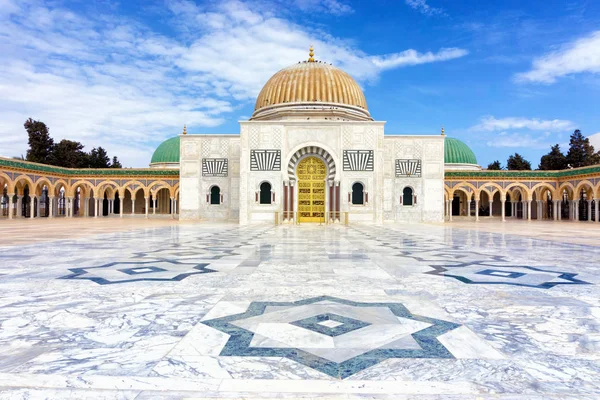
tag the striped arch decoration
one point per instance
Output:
(312, 150)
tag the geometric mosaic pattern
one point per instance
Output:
(123, 272)
(300, 331)
(462, 263)
(482, 273)
(330, 324)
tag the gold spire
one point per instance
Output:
(311, 54)
(443, 131)
(184, 130)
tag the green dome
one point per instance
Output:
(456, 152)
(167, 152)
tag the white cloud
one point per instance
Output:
(490, 123)
(107, 80)
(334, 7)
(520, 140)
(424, 8)
(582, 55)
(595, 141)
(412, 57)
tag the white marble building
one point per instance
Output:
(311, 153)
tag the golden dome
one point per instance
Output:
(311, 85)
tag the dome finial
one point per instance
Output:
(311, 54)
(443, 131)
(184, 130)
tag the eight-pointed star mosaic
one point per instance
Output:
(134, 271)
(335, 336)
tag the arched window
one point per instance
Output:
(407, 196)
(265, 193)
(215, 195)
(358, 193)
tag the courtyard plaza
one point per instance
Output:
(159, 309)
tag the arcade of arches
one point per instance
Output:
(32, 190)
(533, 195)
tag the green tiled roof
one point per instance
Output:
(566, 173)
(42, 168)
(456, 152)
(167, 152)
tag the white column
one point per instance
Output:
(95, 201)
(596, 203)
(576, 210)
(502, 205)
(19, 206)
(451, 201)
(476, 210)
(555, 209)
(132, 206)
(175, 205)
(10, 206)
(172, 208)
(528, 210)
(146, 200)
(121, 207)
(589, 210)
(154, 207)
(559, 211)
(32, 206)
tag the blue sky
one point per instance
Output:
(505, 77)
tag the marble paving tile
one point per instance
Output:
(522, 322)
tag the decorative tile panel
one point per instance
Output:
(408, 168)
(265, 160)
(358, 160)
(215, 167)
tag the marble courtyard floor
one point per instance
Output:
(161, 310)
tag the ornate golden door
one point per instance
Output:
(311, 174)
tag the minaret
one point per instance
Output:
(184, 130)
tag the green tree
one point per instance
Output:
(41, 144)
(516, 162)
(581, 152)
(98, 158)
(555, 160)
(116, 163)
(495, 166)
(70, 154)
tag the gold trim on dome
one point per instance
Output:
(311, 82)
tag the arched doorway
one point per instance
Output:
(311, 173)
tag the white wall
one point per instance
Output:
(383, 187)
(194, 187)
